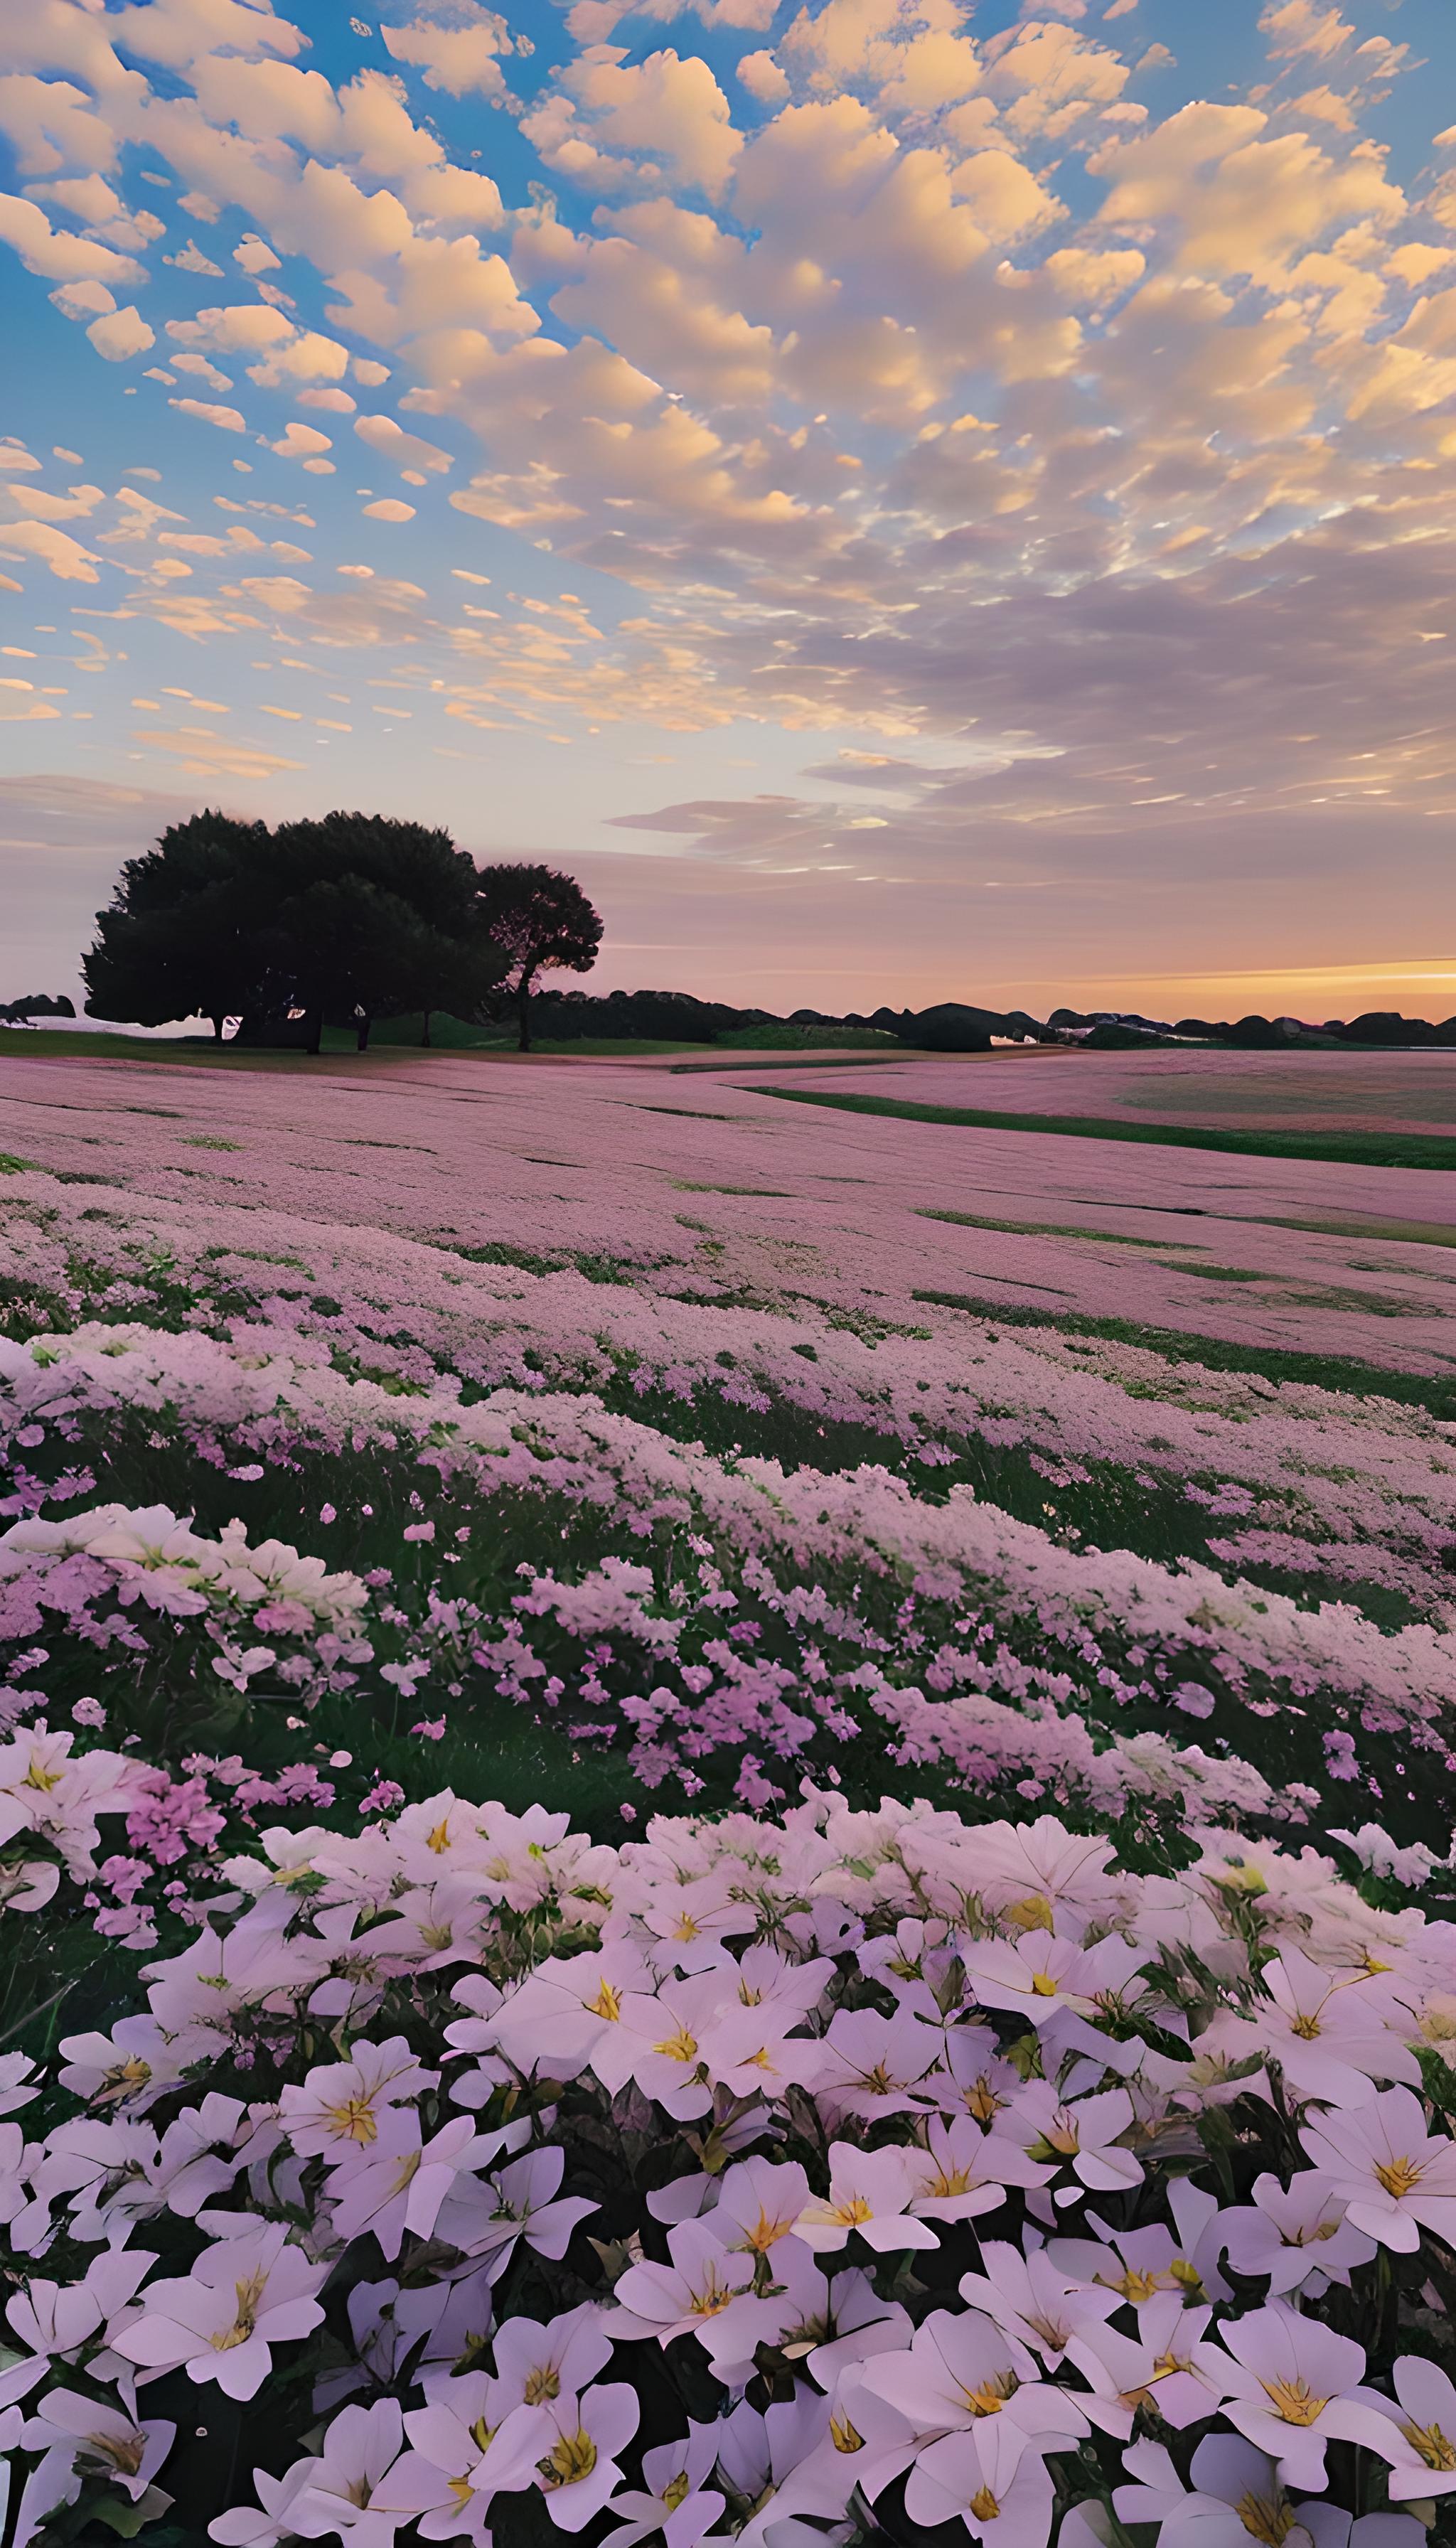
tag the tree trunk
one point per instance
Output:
(524, 995)
(314, 1024)
(425, 1038)
(217, 1024)
(362, 1034)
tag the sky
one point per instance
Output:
(907, 500)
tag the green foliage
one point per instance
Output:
(1356, 1150)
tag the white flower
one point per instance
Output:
(961, 2370)
(242, 2296)
(576, 2471)
(272, 2521)
(1419, 2438)
(344, 2495)
(869, 2192)
(118, 2447)
(540, 2363)
(1394, 2178)
(1289, 2380)
(1298, 2235)
(674, 2499)
(468, 2444)
(989, 2476)
(338, 2109)
(1237, 2496)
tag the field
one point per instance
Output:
(771, 1774)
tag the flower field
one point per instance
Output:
(719, 1820)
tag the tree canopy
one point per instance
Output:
(539, 921)
(338, 920)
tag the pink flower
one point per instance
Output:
(242, 2296)
(1394, 2178)
(1289, 2380)
(869, 2193)
(576, 2471)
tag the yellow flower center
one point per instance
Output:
(686, 1927)
(1429, 2440)
(983, 2101)
(1060, 2141)
(984, 2505)
(461, 2488)
(126, 2452)
(249, 2293)
(607, 2003)
(1400, 2177)
(950, 2181)
(1270, 2522)
(436, 1939)
(121, 2079)
(484, 2434)
(1134, 2286)
(1045, 1986)
(574, 2458)
(766, 2233)
(38, 1776)
(1293, 2402)
(1035, 1912)
(1305, 2028)
(851, 2211)
(542, 2383)
(439, 1838)
(992, 2394)
(714, 2298)
(843, 2434)
(677, 2046)
(353, 2120)
(677, 2489)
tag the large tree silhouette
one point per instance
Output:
(184, 933)
(540, 921)
(345, 919)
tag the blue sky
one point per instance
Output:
(910, 501)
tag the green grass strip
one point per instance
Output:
(1340, 1372)
(1356, 1150)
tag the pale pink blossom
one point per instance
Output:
(1394, 2178)
(868, 2194)
(243, 2295)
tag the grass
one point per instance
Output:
(1340, 1372)
(1354, 1149)
(1056, 1229)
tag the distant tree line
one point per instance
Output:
(37, 1004)
(336, 922)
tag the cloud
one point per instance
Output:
(61, 254)
(67, 559)
(1296, 27)
(302, 442)
(613, 124)
(198, 368)
(191, 261)
(405, 450)
(389, 509)
(463, 60)
(229, 419)
(120, 333)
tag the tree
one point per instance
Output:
(185, 932)
(374, 917)
(540, 921)
(38, 1004)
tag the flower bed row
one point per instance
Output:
(1324, 1477)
